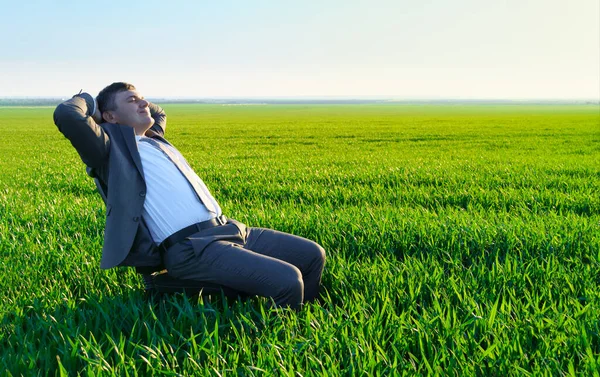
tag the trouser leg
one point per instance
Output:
(228, 264)
(257, 261)
(306, 255)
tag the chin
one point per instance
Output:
(149, 123)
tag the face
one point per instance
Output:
(131, 109)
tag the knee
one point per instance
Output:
(291, 288)
(293, 282)
(318, 255)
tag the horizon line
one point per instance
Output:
(332, 97)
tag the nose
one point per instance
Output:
(143, 103)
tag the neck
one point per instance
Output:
(141, 131)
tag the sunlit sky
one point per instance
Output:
(463, 49)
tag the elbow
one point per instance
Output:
(59, 114)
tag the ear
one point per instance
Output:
(109, 117)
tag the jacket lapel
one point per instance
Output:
(129, 137)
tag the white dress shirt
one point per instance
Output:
(171, 203)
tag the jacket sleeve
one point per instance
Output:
(160, 119)
(74, 119)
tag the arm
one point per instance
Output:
(160, 119)
(74, 119)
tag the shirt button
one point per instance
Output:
(136, 219)
(142, 194)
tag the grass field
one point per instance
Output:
(461, 240)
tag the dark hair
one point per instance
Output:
(106, 97)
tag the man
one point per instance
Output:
(159, 212)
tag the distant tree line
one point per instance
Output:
(229, 101)
(301, 101)
(30, 101)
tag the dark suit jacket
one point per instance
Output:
(111, 151)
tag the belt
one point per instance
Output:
(180, 235)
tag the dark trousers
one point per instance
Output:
(253, 261)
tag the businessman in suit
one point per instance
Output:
(160, 213)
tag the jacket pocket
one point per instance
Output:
(108, 210)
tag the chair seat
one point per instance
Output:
(163, 283)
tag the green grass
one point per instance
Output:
(461, 240)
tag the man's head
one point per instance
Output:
(121, 103)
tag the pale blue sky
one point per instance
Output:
(521, 49)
